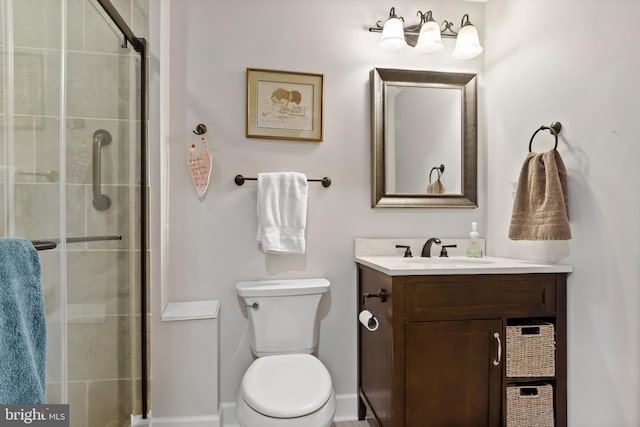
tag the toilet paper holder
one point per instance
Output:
(382, 294)
(368, 320)
(366, 317)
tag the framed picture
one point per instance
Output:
(284, 105)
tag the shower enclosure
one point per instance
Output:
(73, 172)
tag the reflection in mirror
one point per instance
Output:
(419, 126)
(423, 139)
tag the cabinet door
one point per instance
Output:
(452, 376)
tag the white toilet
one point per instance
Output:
(286, 386)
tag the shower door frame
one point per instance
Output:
(140, 46)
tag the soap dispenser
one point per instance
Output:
(474, 250)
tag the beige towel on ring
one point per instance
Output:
(435, 187)
(540, 208)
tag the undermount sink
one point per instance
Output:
(447, 261)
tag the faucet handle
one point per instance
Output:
(443, 251)
(407, 250)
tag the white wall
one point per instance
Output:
(211, 242)
(577, 62)
(540, 67)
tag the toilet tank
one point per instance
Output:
(283, 314)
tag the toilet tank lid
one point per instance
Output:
(279, 287)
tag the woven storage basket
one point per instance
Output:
(531, 350)
(530, 406)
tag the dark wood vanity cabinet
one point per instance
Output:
(463, 389)
(438, 355)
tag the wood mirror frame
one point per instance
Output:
(466, 83)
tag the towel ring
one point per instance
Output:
(440, 169)
(554, 129)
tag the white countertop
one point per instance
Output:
(416, 266)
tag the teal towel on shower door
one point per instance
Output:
(23, 329)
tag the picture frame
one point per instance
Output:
(284, 105)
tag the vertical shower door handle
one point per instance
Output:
(101, 138)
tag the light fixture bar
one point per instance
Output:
(414, 30)
(467, 43)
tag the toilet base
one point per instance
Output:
(323, 417)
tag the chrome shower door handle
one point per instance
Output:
(101, 138)
(496, 361)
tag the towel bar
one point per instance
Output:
(42, 245)
(239, 180)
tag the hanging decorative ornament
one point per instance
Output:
(200, 162)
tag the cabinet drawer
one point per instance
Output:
(444, 297)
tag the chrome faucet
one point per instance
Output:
(426, 249)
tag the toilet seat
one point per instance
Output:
(286, 386)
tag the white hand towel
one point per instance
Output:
(282, 212)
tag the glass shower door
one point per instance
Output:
(103, 206)
(70, 171)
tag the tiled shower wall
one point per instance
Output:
(102, 291)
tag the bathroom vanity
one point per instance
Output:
(438, 356)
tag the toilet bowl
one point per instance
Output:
(291, 390)
(286, 386)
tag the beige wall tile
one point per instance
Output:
(76, 199)
(101, 35)
(78, 404)
(103, 277)
(37, 210)
(140, 21)
(75, 24)
(46, 136)
(37, 23)
(98, 85)
(110, 403)
(36, 82)
(113, 221)
(54, 353)
(101, 350)
(2, 213)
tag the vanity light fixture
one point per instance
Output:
(426, 35)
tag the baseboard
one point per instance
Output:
(200, 421)
(346, 410)
(229, 417)
(138, 421)
(346, 407)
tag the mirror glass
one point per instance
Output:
(423, 139)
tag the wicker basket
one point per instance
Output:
(530, 406)
(531, 350)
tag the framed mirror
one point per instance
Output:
(424, 139)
